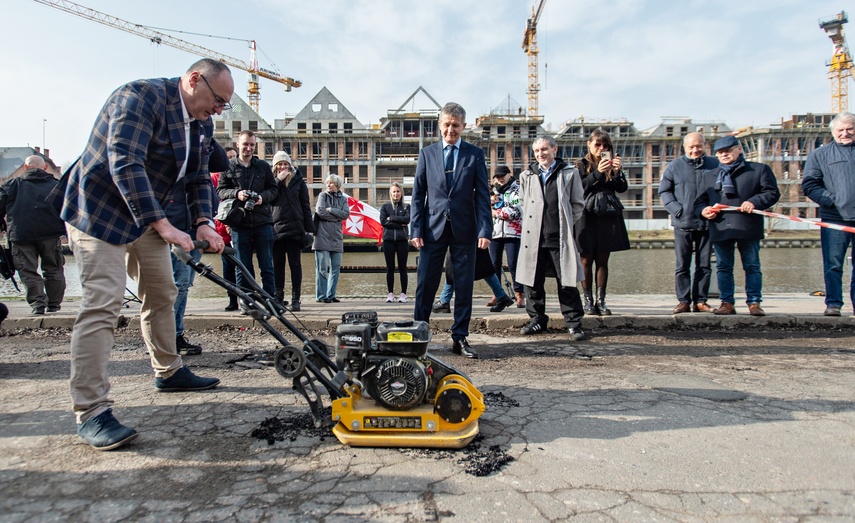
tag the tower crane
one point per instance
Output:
(157, 37)
(529, 45)
(840, 66)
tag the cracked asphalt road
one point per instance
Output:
(748, 425)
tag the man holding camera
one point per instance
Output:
(746, 186)
(251, 181)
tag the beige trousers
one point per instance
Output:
(102, 267)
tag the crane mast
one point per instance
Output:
(840, 66)
(529, 45)
(157, 37)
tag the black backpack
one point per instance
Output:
(7, 267)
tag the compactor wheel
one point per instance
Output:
(289, 361)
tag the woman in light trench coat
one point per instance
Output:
(539, 238)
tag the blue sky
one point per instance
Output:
(744, 63)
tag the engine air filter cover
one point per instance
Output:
(398, 383)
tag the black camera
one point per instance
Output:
(251, 198)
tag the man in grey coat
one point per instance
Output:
(681, 183)
(830, 182)
(552, 203)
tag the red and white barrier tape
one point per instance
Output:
(721, 207)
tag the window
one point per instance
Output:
(333, 128)
(316, 128)
(268, 149)
(363, 148)
(303, 153)
(655, 152)
(334, 147)
(220, 125)
(500, 130)
(316, 107)
(301, 127)
(317, 149)
(236, 127)
(253, 125)
(500, 153)
(333, 107)
(348, 128)
(518, 153)
(348, 149)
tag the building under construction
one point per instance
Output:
(325, 137)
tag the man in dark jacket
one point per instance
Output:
(292, 222)
(830, 182)
(247, 174)
(681, 182)
(746, 186)
(34, 229)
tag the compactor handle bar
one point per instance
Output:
(185, 257)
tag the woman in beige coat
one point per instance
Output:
(552, 202)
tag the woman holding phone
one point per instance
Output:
(601, 230)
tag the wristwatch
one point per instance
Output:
(208, 222)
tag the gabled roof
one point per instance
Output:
(241, 110)
(12, 159)
(325, 107)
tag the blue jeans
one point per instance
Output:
(260, 240)
(511, 246)
(327, 269)
(834, 247)
(183, 276)
(749, 252)
(492, 281)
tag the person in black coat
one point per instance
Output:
(395, 219)
(599, 235)
(746, 186)
(292, 223)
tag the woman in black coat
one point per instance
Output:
(292, 222)
(600, 234)
(395, 219)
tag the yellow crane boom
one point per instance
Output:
(840, 66)
(529, 45)
(157, 37)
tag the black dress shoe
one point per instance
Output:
(104, 432)
(502, 304)
(463, 348)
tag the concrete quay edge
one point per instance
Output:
(644, 312)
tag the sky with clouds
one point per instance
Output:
(741, 62)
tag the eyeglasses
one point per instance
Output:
(219, 103)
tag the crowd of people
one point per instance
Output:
(557, 218)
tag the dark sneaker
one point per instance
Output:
(534, 326)
(577, 333)
(184, 381)
(441, 307)
(38, 311)
(831, 311)
(295, 306)
(334, 300)
(185, 347)
(502, 304)
(104, 432)
(55, 308)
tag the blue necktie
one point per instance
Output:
(449, 166)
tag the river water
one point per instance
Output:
(637, 271)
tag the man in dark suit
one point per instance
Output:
(149, 135)
(450, 210)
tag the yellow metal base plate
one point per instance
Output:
(445, 439)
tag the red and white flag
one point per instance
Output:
(363, 222)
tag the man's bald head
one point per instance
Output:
(693, 145)
(35, 162)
